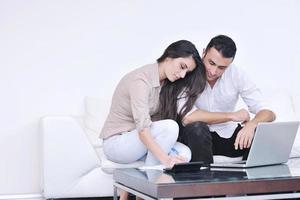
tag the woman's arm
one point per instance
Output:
(163, 157)
(139, 98)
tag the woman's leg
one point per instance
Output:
(128, 148)
(181, 150)
(165, 133)
(123, 195)
(124, 148)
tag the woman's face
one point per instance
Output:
(177, 68)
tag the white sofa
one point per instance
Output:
(74, 164)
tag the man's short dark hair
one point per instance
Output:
(223, 44)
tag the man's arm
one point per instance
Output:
(216, 117)
(195, 114)
(246, 134)
(253, 98)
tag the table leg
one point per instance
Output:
(115, 192)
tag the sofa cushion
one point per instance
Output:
(296, 147)
(226, 159)
(67, 154)
(281, 103)
(296, 103)
(93, 138)
(96, 111)
(95, 183)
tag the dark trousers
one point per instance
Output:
(204, 143)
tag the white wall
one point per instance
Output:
(53, 53)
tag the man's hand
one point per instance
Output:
(241, 115)
(245, 136)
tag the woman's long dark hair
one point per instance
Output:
(191, 86)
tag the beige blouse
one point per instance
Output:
(134, 101)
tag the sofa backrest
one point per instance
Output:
(285, 105)
(281, 102)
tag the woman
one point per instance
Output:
(141, 122)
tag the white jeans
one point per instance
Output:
(127, 147)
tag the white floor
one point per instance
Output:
(22, 197)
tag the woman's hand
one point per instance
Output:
(172, 160)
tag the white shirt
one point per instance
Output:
(224, 96)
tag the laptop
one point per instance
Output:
(269, 171)
(272, 144)
(272, 171)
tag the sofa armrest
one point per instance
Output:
(67, 154)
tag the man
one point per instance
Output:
(212, 128)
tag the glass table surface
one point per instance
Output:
(289, 170)
(211, 181)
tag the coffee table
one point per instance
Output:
(271, 182)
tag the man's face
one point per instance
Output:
(215, 64)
